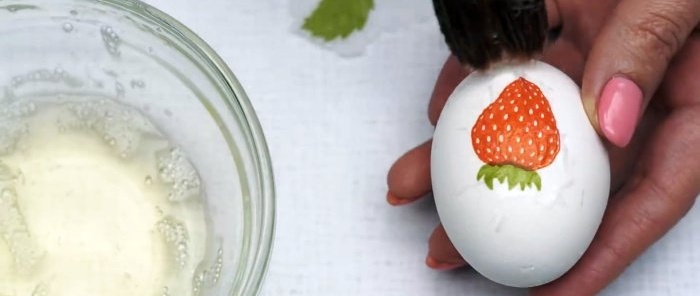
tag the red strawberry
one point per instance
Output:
(516, 135)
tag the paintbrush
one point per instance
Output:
(481, 33)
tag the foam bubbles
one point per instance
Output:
(175, 235)
(119, 126)
(176, 170)
(198, 281)
(206, 276)
(29, 127)
(57, 75)
(218, 265)
(111, 40)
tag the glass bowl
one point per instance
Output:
(133, 53)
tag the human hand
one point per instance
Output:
(651, 119)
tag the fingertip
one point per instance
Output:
(636, 43)
(442, 254)
(441, 266)
(409, 176)
(399, 201)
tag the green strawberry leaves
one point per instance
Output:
(334, 19)
(515, 176)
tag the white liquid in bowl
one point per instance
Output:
(94, 200)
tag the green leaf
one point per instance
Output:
(482, 172)
(514, 175)
(501, 174)
(338, 18)
(489, 182)
(538, 182)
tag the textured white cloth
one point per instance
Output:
(335, 123)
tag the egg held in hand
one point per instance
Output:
(520, 177)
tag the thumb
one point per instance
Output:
(628, 61)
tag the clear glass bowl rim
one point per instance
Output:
(259, 255)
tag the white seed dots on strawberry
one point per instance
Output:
(517, 131)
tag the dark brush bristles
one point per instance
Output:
(482, 32)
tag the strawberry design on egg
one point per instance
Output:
(515, 136)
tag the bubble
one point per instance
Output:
(126, 126)
(59, 72)
(198, 280)
(176, 237)
(67, 27)
(138, 84)
(218, 265)
(74, 12)
(111, 40)
(177, 171)
(148, 180)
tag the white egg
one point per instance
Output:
(520, 177)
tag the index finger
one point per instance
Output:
(451, 75)
(629, 59)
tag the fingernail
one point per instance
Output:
(434, 264)
(396, 201)
(619, 110)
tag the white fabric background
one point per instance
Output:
(335, 123)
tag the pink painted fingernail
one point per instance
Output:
(619, 110)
